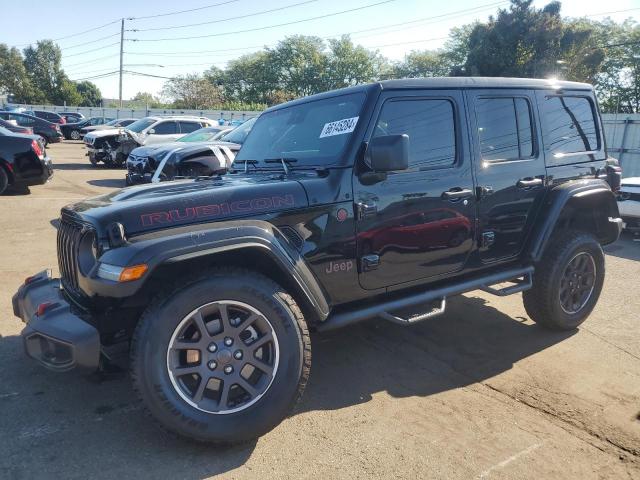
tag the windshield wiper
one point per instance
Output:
(246, 163)
(285, 161)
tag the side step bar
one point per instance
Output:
(382, 309)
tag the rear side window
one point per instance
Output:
(188, 127)
(430, 126)
(504, 128)
(165, 128)
(570, 125)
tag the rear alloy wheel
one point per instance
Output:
(75, 135)
(567, 281)
(222, 358)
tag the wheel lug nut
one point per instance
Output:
(212, 364)
(212, 347)
(238, 354)
(228, 341)
(228, 369)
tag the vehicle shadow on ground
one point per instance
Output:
(471, 343)
(73, 166)
(626, 247)
(55, 413)
(108, 182)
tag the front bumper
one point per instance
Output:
(56, 337)
(630, 213)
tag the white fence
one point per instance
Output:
(622, 132)
(226, 115)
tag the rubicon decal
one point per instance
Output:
(218, 210)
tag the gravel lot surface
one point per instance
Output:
(480, 392)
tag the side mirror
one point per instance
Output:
(152, 131)
(388, 153)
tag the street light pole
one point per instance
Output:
(121, 57)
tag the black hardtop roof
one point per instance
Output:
(446, 83)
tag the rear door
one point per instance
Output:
(509, 168)
(418, 224)
(188, 127)
(164, 132)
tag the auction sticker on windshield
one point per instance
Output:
(339, 127)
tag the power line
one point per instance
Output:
(268, 26)
(74, 34)
(92, 41)
(183, 11)
(436, 17)
(91, 61)
(286, 7)
(92, 50)
(609, 13)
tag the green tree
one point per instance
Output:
(90, 95)
(300, 65)
(252, 79)
(13, 75)
(192, 91)
(426, 63)
(42, 63)
(348, 64)
(524, 41)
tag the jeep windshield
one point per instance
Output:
(313, 133)
(140, 125)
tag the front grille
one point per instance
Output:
(70, 233)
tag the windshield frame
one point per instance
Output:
(314, 161)
(146, 121)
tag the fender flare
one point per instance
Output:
(587, 193)
(192, 241)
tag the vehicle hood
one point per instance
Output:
(93, 128)
(109, 132)
(158, 150)
(149, 207)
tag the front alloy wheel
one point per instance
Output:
(577, 282)
(223, 357)
(75, 135)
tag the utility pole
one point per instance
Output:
(121, 56)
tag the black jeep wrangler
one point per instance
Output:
(340, 207)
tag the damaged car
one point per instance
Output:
(113, 146)
(201, 153)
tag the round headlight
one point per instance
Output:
(88, 252)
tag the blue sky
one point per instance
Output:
(422, 25)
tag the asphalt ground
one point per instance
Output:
(480, 392)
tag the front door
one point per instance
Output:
(417, 223)
(509, 167)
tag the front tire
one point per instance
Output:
(567, 282)
(4, 180)
(75, 135)
(222, 358)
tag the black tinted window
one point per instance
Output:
(23, 120)
(570, 125)
(165, 128)
(504, 128)
(430, 126)
(188, 127)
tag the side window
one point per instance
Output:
(570, 125)
(188, 127)
(165, 128)
(504, 128)
(430, 125)
(23, 121)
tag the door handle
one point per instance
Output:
(529, 182)
(456, 194)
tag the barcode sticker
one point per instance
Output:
(339, 127)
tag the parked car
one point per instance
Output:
(629, 203)
(113, 146)
(48, 116)
(23, 160)
(120, 122)
(50, 132)
(73, 131)
(72, 117)
(215, 283)
(197, 154)
(15, 128)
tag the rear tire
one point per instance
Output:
(169, 338)
(75, 135)
(4, 180)
(567, 282)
